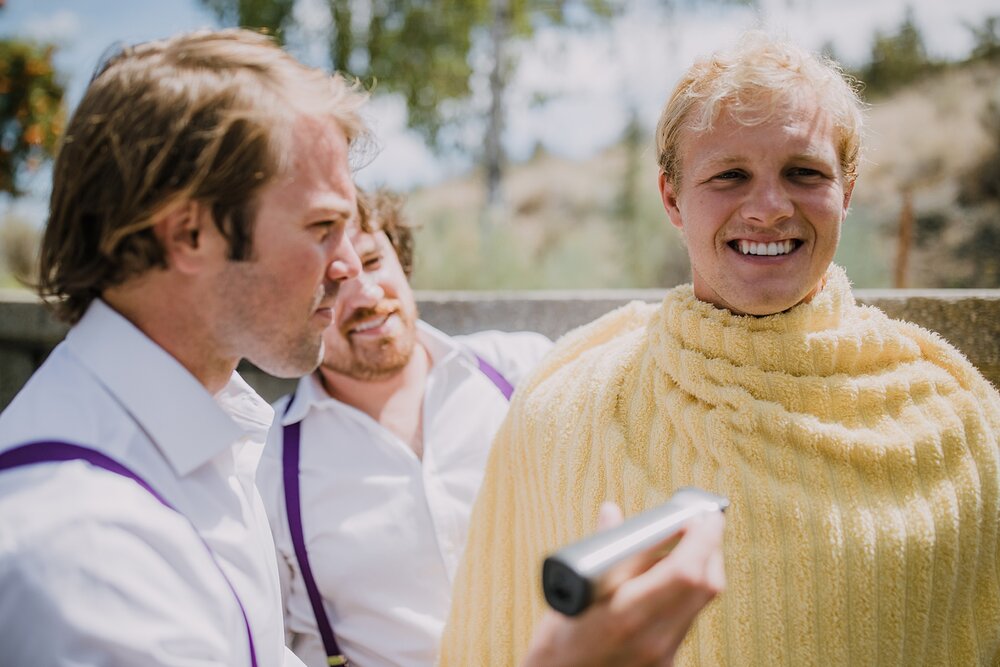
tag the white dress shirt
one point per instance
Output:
(93, 569)
(384, 529)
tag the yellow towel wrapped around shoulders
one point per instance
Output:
(860, 454)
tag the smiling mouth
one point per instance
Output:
(770, 249)
(370, 324)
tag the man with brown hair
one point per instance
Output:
(372, 467)
(389, 438)
(199, 212)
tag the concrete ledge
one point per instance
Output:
(970, 319)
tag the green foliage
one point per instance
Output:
(18, 251)
(31, 110)
(273, 16)
(418, 48)
(986, 39)
(979, 202)
(896, 60)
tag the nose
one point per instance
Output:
(767, 203)
(345, 263)
(361, 291)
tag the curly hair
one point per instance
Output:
(382, 210)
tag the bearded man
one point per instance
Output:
(395, 427)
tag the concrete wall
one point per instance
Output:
(970, 319)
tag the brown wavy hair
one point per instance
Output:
(382, 210)
(203, 116)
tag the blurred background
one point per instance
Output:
(520, 131)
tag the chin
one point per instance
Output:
(771, 306)
(292, 363)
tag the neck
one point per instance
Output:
(172, 322)
(395, 402)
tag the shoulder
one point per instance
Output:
(588, 357)
(62, 401)
(934, 349)
(609, 337)
(514, 354)
(77, 539)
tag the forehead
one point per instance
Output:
(368, 241)
(316, 174)
(797, 129)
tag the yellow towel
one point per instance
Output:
(860, 454)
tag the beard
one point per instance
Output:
(372, 358)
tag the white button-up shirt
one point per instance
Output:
(93, 569)
(385, 530)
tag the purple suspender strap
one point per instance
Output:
(293, 509)
(291, 442)
(505, 387)
(54, 452)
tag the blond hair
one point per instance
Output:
(203, 116)
(753, 82)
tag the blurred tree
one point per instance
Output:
(272, 15)
(897, 59)
(986, 38)
(430, 51)
(422, 50)
(979, 201)
(19, 240)
(32, 113)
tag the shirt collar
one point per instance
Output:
(310, 392)
(181, 418)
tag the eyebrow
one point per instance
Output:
(735, 160)
(320, 212)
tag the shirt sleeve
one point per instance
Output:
(162, 600)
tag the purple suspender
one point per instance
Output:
(52, 451)
(293, 509)
(291, 438)
(506, 388)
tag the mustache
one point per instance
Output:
(383, 308)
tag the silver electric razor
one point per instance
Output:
(584, 571)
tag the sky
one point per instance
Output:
(592, 82)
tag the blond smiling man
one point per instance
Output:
(860, 453)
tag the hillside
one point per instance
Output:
(564, 226)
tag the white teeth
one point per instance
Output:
(370, 324)
(772, 248)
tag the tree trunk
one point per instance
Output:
(905, 237)
(493, 156)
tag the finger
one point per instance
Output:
(701, 539)
(609, 515)
(688, 577)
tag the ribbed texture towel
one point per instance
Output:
(860, 454)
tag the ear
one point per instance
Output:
(848, 190)
(189, 237)
(669, 196)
